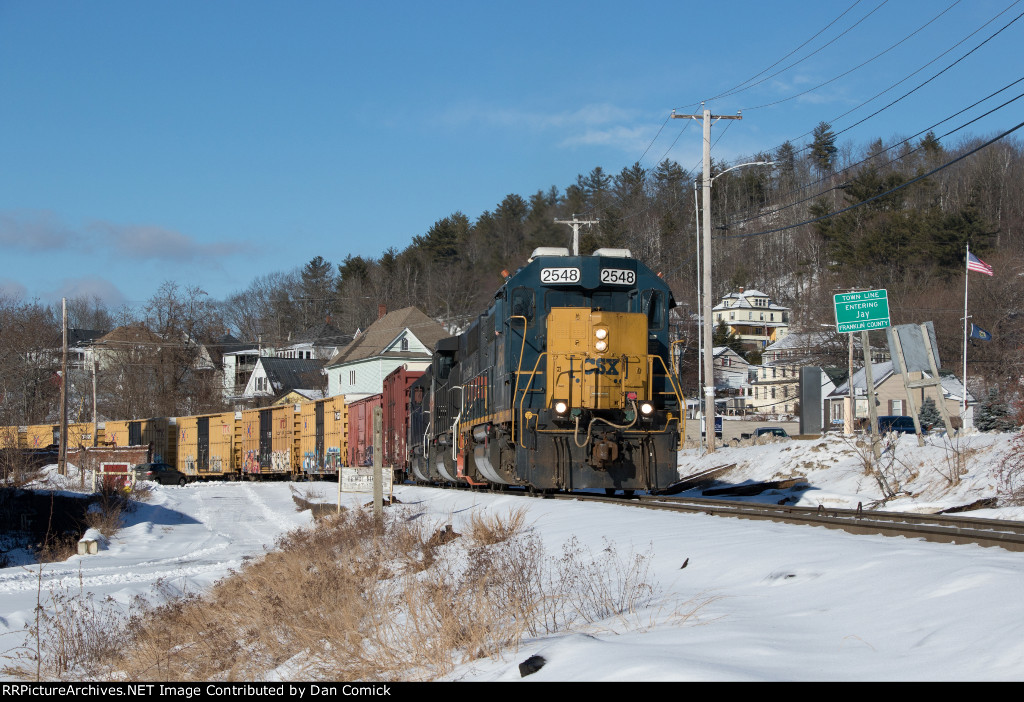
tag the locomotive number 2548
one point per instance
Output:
(560, 275)
(618, 276)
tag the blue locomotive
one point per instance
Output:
(564, 383)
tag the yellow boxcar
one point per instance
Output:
(270, 441)
(42, 435)
(12, 437)
(323, 436)
(80, 434)
(206, 444)
(157, 433)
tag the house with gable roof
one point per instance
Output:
(752, 317)
(403, 337)
(891, 395)
(275, 377)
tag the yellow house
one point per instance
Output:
(752, 317)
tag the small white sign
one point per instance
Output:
(361, 479)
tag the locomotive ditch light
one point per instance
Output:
(646, 408)
(561, 406)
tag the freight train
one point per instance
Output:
(565, 382)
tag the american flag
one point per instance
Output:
(976, 264)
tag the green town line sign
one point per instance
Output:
(861, 311)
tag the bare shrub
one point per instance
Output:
(485, 530)
(1010, 478)
(888, 471)
(17, 469)
(958, 452)
(71, 630)
(57, 547)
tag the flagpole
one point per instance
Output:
(963, 408)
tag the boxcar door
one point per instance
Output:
(203, 444)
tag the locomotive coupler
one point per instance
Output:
(604, 451)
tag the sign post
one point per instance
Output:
(860, 312)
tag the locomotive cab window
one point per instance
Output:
(523, 303)
(653, 305)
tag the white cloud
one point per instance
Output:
(34, 230)
(157, 243)
(89, 287)
(12, 288)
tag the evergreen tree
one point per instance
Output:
(317, 291)
(823, 149)
(929, 416)
(994, 415)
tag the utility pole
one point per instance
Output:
(709, 356)
(62, 449)
(575, 224)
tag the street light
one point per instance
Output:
(709, 356)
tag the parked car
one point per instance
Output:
(160, 472)
(766, 431)
(901, 424)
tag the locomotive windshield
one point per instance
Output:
(605, 300)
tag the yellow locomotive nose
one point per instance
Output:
(596, 358)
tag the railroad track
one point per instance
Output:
(930, 527)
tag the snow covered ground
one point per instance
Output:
(755, 601)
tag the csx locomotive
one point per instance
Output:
(564, 383)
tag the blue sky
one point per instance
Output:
(212, 142)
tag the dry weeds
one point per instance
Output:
(356, 599)
(485, 530)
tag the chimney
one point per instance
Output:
(381, 310)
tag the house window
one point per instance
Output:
(405, 343)
(352, 377)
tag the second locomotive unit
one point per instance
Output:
(564, 383)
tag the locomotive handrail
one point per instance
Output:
(676, 390)
(533, 374)
(515, 389)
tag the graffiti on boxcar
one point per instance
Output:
(280, 461)
(250, 462)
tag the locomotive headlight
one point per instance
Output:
(601, 345)
(561, 406)
(646, 408)
(601, 333)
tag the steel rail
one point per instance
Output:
(930, 527)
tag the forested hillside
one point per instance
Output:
(792, 229)
(772, 231)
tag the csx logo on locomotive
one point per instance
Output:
(601, 366)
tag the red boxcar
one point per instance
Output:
(396, 416)
(360, 430)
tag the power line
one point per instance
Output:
(858, 66)
(880, 195)
(776, 210)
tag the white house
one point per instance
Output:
(403, 337)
